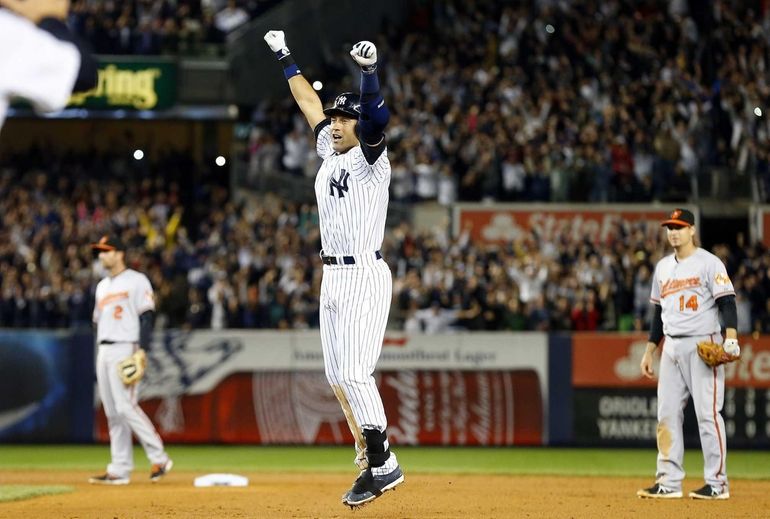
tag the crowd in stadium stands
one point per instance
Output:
(170, 27)
(221, 264)
(580, 101)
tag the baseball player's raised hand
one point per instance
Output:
(365, 54)
(276, 40)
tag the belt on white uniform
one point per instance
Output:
(344, 260)
(108, 342)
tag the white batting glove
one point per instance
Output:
(365, 54)
(276, 40)
(731, 346)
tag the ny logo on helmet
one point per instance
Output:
(340, 101)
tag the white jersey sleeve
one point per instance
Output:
(143, 296)
(35, 65)
(718, 281)
(323, 139)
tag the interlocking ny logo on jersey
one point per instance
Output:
(341, 184)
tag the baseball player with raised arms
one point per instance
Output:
(690, 288)
(124, 314)
(352, 193)
(41, 60)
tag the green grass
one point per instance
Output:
(17, 492)
(515, 461)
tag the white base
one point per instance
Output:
(221, 480)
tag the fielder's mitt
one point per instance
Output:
(714, 354)
(131, 369)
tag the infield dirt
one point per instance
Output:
(421, 496)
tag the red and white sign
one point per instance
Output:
(423, 407)
(242, 386)
(612, 360)
(508, 222)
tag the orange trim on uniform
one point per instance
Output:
(111, 298)
(716, 424)
(673, 286)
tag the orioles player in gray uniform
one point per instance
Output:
(40, 60)
(352, 194)
(123, 314)
(690, 287)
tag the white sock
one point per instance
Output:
(390, 466)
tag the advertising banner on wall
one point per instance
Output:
(270, 388)
(508, 222)
(616, 405)
(148, 84)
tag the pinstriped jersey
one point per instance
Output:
(120, 300)
(39, 67)
(352, 197)
(687, 291)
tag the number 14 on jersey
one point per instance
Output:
(691, 303)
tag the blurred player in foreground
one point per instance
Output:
(40, 59)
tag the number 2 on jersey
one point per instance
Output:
(117, 314)
(691, 303)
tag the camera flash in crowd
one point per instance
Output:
(220, 161)
(317, 85)
(138, 154)
(757, 111)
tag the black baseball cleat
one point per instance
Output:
(160, 469)
(108, 479)
(658, 491)
(369, 487)
(709, 492)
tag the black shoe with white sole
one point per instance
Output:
(709, 492)
(369, 487)
(658, 491)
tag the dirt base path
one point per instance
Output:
(421, 496)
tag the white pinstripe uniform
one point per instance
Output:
(687, 291)
(120, 300)
(352, 198)
(38, 67)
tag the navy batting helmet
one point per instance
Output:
(345, 104)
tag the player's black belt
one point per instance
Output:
(346, 260)
(106, 341)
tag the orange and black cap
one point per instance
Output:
(108, 243)
(679, 218)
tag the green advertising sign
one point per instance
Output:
(137, 85)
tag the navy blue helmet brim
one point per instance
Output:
(328, 112)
